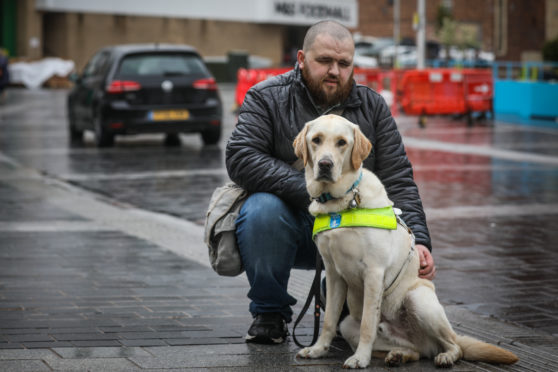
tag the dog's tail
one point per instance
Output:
(475, 350)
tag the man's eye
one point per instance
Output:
(341, 142)
(316, 140)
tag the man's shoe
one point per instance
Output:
(268, 328)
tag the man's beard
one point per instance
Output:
(321, 97)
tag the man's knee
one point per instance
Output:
(264, 210)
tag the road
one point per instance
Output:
(489, 193)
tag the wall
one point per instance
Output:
(376, 18)
(526, 24)
(526, 29)
(551, 19)
(29, 27)
(478, 13)
(77, 36)
(526, 99)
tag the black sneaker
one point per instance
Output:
(268, 328)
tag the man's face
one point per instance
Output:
(327, 69)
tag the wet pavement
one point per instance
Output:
(102, 266)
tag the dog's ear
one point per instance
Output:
(361, 148)
(300, 146)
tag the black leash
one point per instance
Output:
(314, 292)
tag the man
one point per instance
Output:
(274, 228)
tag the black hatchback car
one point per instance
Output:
(145, 88)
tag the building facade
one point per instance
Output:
(514, 30)
(75, 29)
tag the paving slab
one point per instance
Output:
(23, 366)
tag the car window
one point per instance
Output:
(97, 64)
(90, 67)
(103, 63)
(161, 65)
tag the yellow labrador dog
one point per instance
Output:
(376, 270)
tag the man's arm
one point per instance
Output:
(394, 170)
(250, 160)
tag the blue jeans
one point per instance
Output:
(273, 237)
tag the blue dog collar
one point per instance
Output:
(325, 197)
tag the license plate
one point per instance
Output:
(162, 115)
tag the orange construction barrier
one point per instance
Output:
(446, 91)
(479, 90)
(371, 77)
(389, 79)
(246, 78)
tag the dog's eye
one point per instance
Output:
(341, 142)
(316, 140)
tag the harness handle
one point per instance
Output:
(314, 292)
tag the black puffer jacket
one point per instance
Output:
(260, 152)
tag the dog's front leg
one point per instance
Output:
(335, 298)
(373, 289)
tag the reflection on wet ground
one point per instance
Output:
(182, 196)
(448, 179)
(504, 266)
(533, 139)
(500, 265)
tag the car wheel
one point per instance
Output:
(75, 134)
(172, 140)
(103, 138)
(211, 137)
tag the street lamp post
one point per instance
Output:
(421, 37)
(396, 32)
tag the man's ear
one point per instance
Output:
(300, 58)
(300, 146)
(361, 148)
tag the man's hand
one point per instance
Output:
(427, 269)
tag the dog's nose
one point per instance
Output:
(325, 164)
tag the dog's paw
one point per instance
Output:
(443, 360)
(312, 352)
(356, 362)
(394, 358)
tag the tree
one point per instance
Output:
(443, 13)
(447, 34)
(550, 50)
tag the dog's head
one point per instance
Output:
(331, 146)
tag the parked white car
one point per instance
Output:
(364, 61)
(407, 55)
(466, 55)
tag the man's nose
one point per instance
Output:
(334, 69)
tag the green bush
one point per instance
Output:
(550, 50)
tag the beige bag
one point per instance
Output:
(220, 229)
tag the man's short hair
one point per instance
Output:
(332, 28)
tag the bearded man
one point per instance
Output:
(274, 228)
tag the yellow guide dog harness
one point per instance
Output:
(382, 218)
